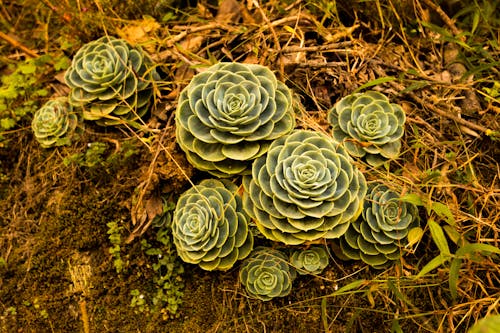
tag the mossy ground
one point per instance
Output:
(56, 272)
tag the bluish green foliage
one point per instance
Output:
(378, 236)
(305, 188)
(310, 261)
(266, 274)
(54, 123)
(369, 126)
(229, 114)
(111, 81)
(210, 227)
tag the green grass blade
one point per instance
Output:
(439, 238)
(348, 287)
(375, 82)
(453, 277)
(443, 211)
(433, 264)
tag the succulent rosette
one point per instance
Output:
(229, 114)
(305, 188)
(369, 126)
(379, 234)
(488, 324)
(309, 261)
(54, 123)
(210, 227)
(266, 274)
(111, 81)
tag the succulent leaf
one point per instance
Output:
(210, 227)
(54, 123)
(110, 80)
(368, 126)
(378, 235)
(266, 274)
(303, 189)
(229, 114)
(310, 261)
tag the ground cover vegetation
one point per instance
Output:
(249, 166)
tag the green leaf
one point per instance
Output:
(416, 86)
(28, 68)
(348, 287)
(475, 21)
(452, 233)
(474, 247)
(62, 63)
(453, 277)
(443, 211)
(412, 198)
(433, 264)
(414, 236)
(375, 82)
(7, 123)
(439, 238)
(392, 287)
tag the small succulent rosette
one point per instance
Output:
(266, 274)
(305, 188)
(369, 126)
(378, 236)
(209, 226)
(229, 114)
(310, 261)
(54, 123)
(111, 81)
(488, 324)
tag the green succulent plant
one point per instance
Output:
(369, 126)
(229, 114)
(309, 261)
(305, 188)
(488, 324)
(379, 234)
(54, 123)
(266, 274)
(111, 81)
(210, 227)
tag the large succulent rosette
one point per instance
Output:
(369, 126)
(54, 123)
(266, 274)
(379, 234)
(111, 81)
(229, 114)
(305, 188)
(210, 227)
(309, 261)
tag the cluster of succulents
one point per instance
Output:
(54, 123)
(378, 236)
(111, 81)
(229, 114)
(305, 188)
(236, 119)
(368, 126)
(310, 261)
(210, 227)
(266, 274)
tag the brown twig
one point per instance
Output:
(334, 47)
(18, 45)
(447, 20)
(85, 316)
